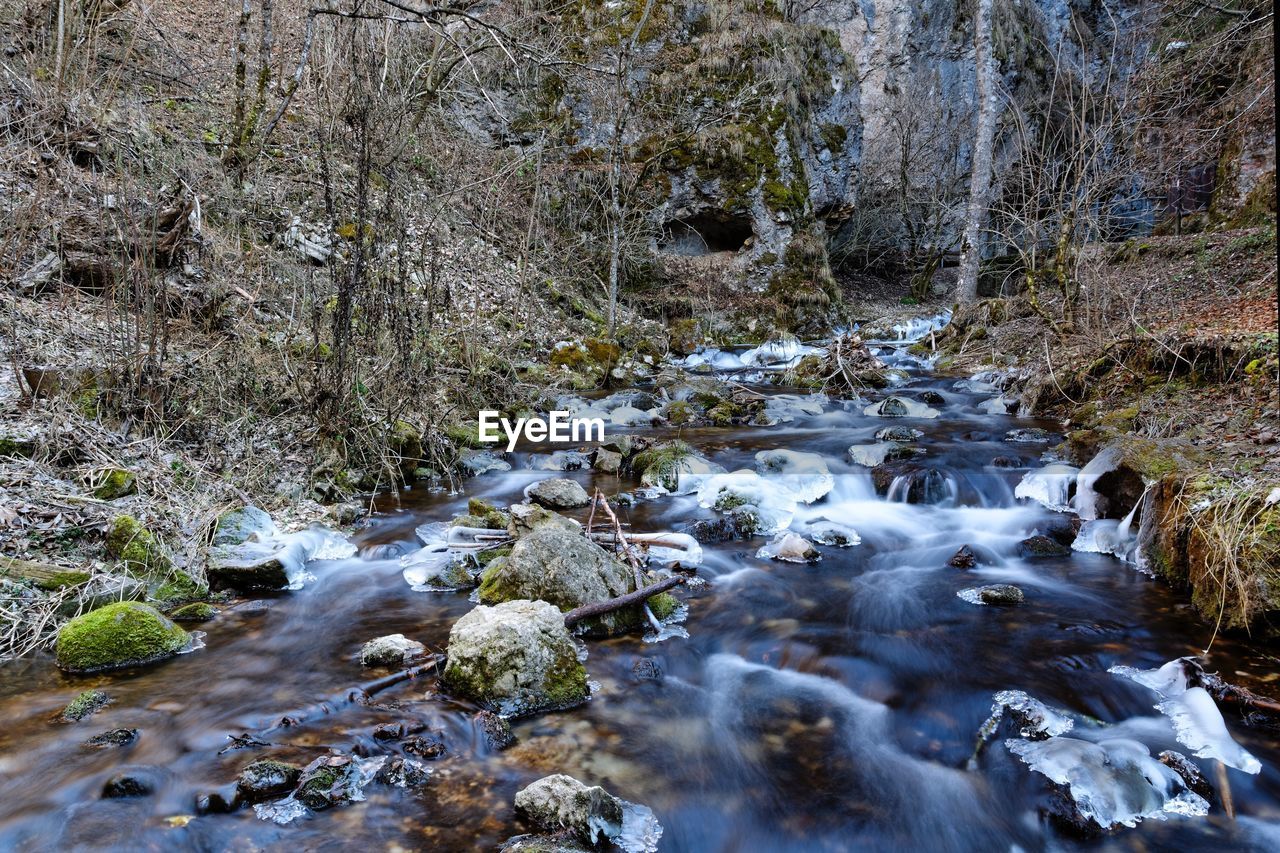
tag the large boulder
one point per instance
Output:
(566, 569)
(515, 658)
(121, 634)
(558, 493)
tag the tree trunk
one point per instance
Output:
(983, 145)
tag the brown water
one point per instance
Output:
(813, 707)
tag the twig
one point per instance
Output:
(598, 608)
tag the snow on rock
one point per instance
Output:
(1049, 486)
(997, 405)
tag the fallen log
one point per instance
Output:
(598, 608)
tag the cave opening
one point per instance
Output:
(705, 233)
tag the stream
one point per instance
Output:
(830, 705)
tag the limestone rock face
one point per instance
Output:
(516, 658)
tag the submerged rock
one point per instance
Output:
(122, 634)
(558, 493)
(963, 558)
(516, 658)
(141, 782)
(391, 650)
(112, 738)
(1040, 547)
(898, 433)
(86, 704)
(477, 462)
(566, 569)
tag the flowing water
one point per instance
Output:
(824, 706)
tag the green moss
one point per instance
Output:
(18, 448)
(61, 580)
(723, 414)
(119, 634)
(679, 413)
(465, 434)
(663, 604)
(87, 703)
(833, 136)
(200, 611)
(179, 588)
(315, 792)
(485, 558)
(136, 547)
(116, 483)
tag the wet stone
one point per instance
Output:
(217, 802)
(898, 433)
(933, 398)
(430, 746)
(494, 730)
(646, 669)
(113, 738)
(86, 704)
(1006, 462)
(1041, 547)
(266, 778)
(1191, 775)
(963, 558)
(1000, 593)
(139, 783)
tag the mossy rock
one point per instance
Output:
(679, 413)
(200, 611)
(86, 704)
(516, 658)
(136, 547)
(179, 588)
(724, 414)
(663, 604)
(115, 483)
(238, 525)
(123, 634)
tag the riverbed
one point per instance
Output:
(828, 705)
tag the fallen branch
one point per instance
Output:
(640, 596)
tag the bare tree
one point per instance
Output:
(983, 154)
